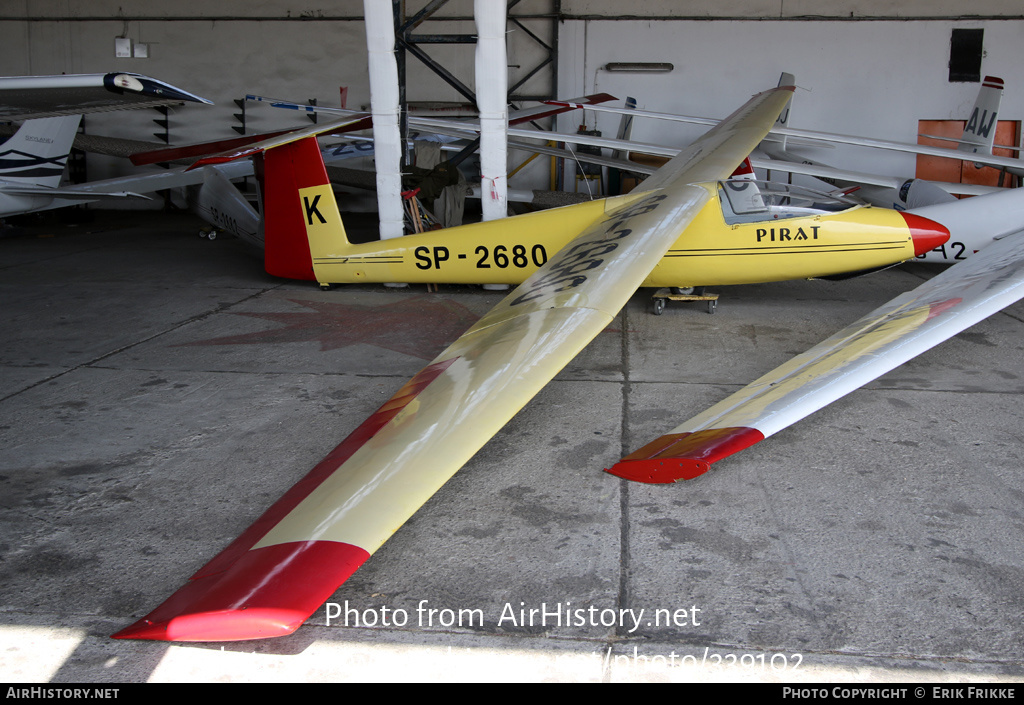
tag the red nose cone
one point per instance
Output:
(927, 234)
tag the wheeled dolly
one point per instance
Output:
(676, 294)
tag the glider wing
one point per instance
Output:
(26, 97)
(910, 324)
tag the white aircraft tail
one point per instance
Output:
(217, 201)
(37, 153)
(625, 125)
(786, 79)
(980, 131)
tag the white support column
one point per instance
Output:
(387, 140)
(492, 102)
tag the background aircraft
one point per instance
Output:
(209, 190)
(974, 142)
(32, 161)
(970, 148)
(32, 165)
(904, 192)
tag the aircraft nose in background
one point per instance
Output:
(927, 234)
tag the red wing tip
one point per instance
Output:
(226, 625)
(586, 100)
(684, 456)
(659, 472)
(143, 629)
(257, 594)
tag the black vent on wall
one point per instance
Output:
(965, 49)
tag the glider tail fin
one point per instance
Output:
(625, 125)
(300, 214)
(980, 133)
(785, 79)
(37, 152)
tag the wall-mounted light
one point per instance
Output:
(638, 67)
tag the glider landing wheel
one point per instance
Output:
(659, 307)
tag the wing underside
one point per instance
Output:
(27, 97)
(910, 324)
(295, 556)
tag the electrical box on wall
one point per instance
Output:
(122, 47)
(966, 48)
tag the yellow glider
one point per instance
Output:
(578, 267)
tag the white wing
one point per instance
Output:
(825, 137)
(25, 97)
(884, 339)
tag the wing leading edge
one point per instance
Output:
(910, 324)
(274, 576)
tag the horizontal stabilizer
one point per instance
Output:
(360, 121)
(70, 193)
(280, 139)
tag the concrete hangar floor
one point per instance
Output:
(159, 391)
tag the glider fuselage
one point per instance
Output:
(712, 252)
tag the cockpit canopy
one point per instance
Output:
(748, 201)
